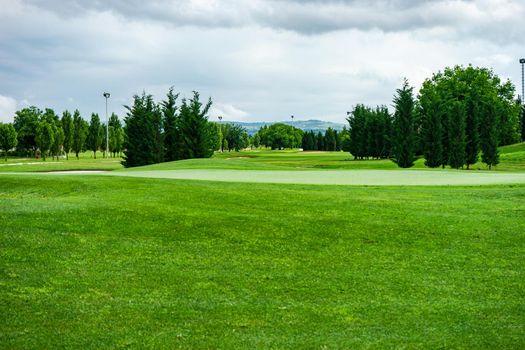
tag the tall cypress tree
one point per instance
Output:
(404, 140)
(456, 135)
(432, 112)
(472, 130)
(172, 142)
(489, 136)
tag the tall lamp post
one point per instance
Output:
(220, 128)
(522, 61)
(106, 95)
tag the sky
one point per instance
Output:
(259, 60)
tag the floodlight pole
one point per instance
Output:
(220, 128)
(522, 61)
(106, 95)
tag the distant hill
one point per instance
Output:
(307, 125)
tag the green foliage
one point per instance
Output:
(116, 135)
(489, 136)
(256, 140)
(69, 129)
(172, 139)
(280, 136)
(80, 131)
(142, 141)
(473, 88)
(58, 140)
(370, 132)
(235, 136)
(195, 129)
(44, 137)
(26, 123)
(432, 110)
(404, 136)
(94, 135)
(8, 138)
(456, 135)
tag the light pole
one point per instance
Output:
(106, 95)
(522, 61)
(220, 128)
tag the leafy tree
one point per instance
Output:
(256, 140)
(116, 135)
(522, 118)
(58, 140)
(172, 139)
(280, 136)
(8, 138)
(26, 124)
(94, 137)
(79, 133)
(404, 142)
(456, 135)
(44, 137)
(68, 128)
(234, 134)
(195, 128)
(345, 140)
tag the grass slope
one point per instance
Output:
(103, 262)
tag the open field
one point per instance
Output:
(97, 261)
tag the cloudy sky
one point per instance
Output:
(257, 59)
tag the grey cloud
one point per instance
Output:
(311, 16)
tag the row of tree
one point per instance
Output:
(459, 114)
(331, 140)
(44, 133)
(158, 132)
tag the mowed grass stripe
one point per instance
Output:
(336, 177)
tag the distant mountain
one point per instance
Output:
(307, 125)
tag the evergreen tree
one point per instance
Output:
(195, 128)
(116, 138)
(432, 129)
(79, 133)
(68, 128)
(8, 138)
(94, 137)
(44, 137)
(404, 138)
(256, 140)
(141, 142)
(472, 129)
(456, 135)
(489, 136)
(358, 134)
(330, 140)
(172, 140)
(320, 142)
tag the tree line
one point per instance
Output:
(44, 134)
(459, 116)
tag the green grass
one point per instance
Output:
(85, 162)
(105, 262)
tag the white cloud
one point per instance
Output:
(8, 107)
(227, 111)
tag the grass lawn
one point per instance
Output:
(114, 262)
